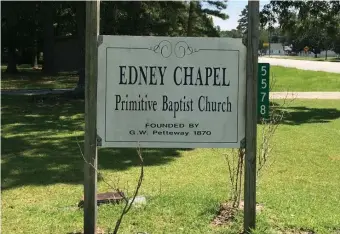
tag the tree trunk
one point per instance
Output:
(12, 59)
(35, 57)
(115, 18)
(269, 41)
(12, 36)
(38, 55)
(81, 18)
(136, 26)
(35, 39)
(326, 54)
(191, 19)
(48, 34)
(35, 50)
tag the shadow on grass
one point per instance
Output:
(296, 115)
(28, 78)
(40, 144)
(300, 115)
(40, 147)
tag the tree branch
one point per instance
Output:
(128, 206)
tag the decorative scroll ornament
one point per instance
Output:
(164, 48)
(181, 49)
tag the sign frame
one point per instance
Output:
(136, 43)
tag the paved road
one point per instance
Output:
(273, 95)
(303, 64)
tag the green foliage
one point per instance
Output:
(232, 33)
(337, 44)
(243, 21)
(315, 24)
(30, 26)
(242, 29)
(219, 6)
(117, 18)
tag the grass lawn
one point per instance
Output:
(285, 79)
(42, 175)
(292, 79)
(329, 59)
(27, 78)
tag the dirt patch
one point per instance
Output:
(304, 231)
(227, 213)
(99, 231)
(296, 231)
(335, 158)
(259, 207)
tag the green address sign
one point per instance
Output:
(263, 91)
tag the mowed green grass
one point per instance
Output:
(282, 79)
(42, 175)
(296, 80)
(27, 78)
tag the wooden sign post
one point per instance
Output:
(90, 146)
(251, 117)
(169, 92)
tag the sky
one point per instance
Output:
(234, 10)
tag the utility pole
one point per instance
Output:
(90, 146)
(251, 117)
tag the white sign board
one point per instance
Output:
(171, 92)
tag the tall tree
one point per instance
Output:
(336, 46)
(243, 21)
(81, 19)
(33, 26)
(10, 9)
(311, 23)
(35, 33)
(215, 8)
(21, 32)
(48, 11)
(242, 27)
(193, 5)
(65, 19)
(200, 17)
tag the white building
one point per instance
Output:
(276, 49)
(330, 53)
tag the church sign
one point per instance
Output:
(171, 92)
